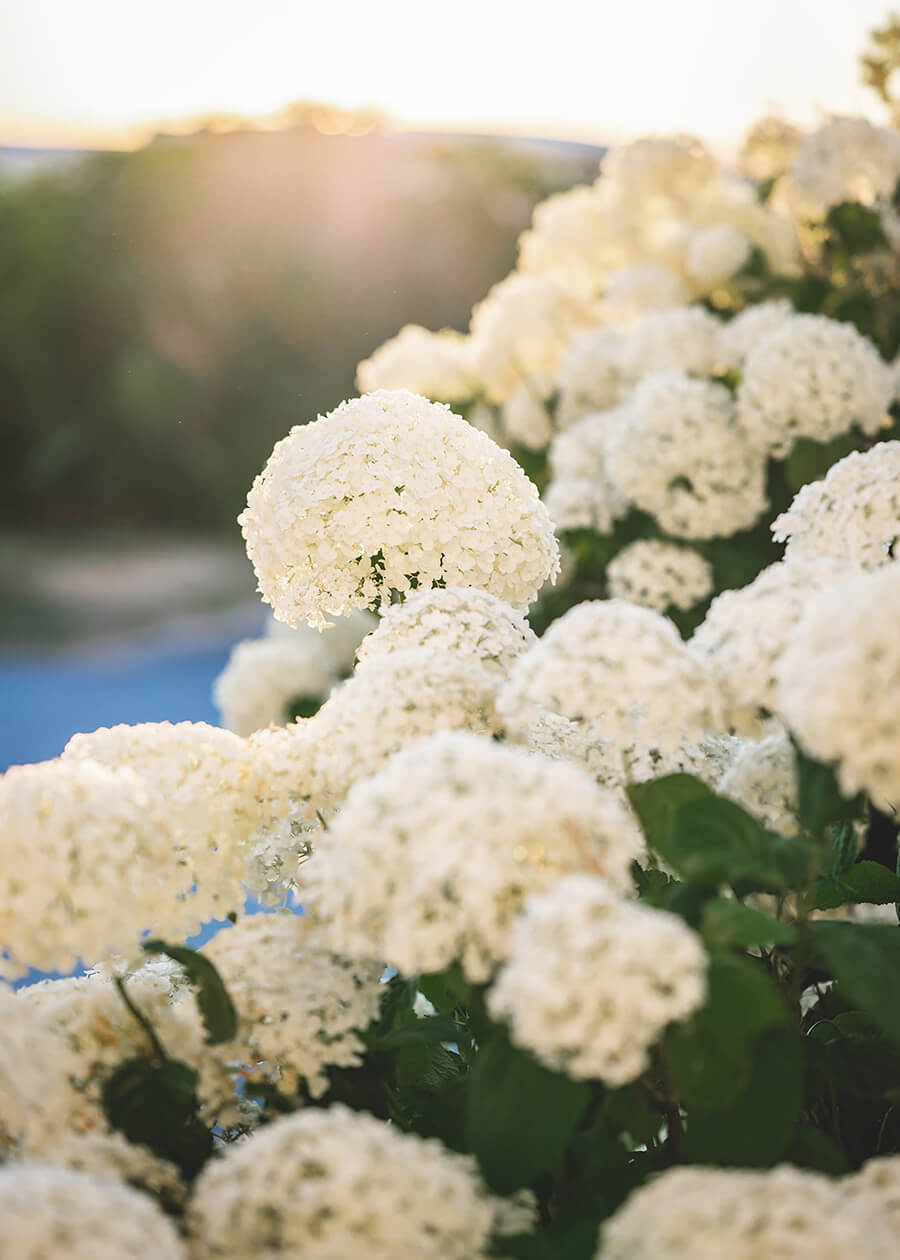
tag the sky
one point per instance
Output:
(113, 71)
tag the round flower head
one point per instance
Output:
(744, 633)
(572, 240)
(838, 681)
(769, 148)
(456, 619)
(592, 980)
(812, 378)
(86, 855)
(582, 494)
(715, 254)
(266, 679)
(337, 1184)
(673, 169)
(388, 493)
(428, 363)
(294, 797)
(632, 292)
(110, 1156)
(683, 458)
(521, 330)
(393, 700)
(590, 378)
(619, 668)
(848, 159)
(784, 1213)
(208, 781)
(299, 1006)
(876, 1189)
(738, 337)
(684, 340)
(35, 1071)
(659, 575)
(853, 515)
(431, 859)
(525, 417)
(763, 778)
(52, 1212)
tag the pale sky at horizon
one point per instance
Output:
(90, 71)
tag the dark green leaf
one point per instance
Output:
(714, 841)
(865, 961)
(710, 1056)
(842, 853)
(424, 1031)
(819, 799)
(756, 1129)
(154, 1103)
(628, 1111)
(303, 707)
(656, 803)
(857, 227)
(866, 881)
(213, 1002)
(810, 461)
(520, 1116)
(730, 923)
(811, 1148)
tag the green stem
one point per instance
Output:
(141, 1018)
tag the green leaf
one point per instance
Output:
(843, 847)
(520, 1116)
(213, 1002)
(424, 1031)
(154, 1103)
(627, 1110)
(819, 799)
(865, 961)
(730, 923)
(714, 841)
(866, 881)
(711, 1055)
(656, 803)
(857, 227)
(811, 1148)
(303, 707)
(757, 1128)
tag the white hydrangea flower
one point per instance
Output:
(337, 1184)
(554, 736)
(109, 1155)
(393, 700)
(682, 340)
(52, 1212)
(715, 254)
(434, 364)
(763, 778)
(573, 240)
(659, 575)
(207, 780)
(35, 1067)
(592, 980)
(769, 148)
(838, 680)
(876, 1190)
(582, 493)
(86, 856)
(95, 1032)
(852, 515)
(456, 619)
(706, 758)
(431, 859)
(622, 670)
(812, 378)
(784, 1213)
(299, 1006)
(295, 797)
(521, 330)
(263, 677)
(847, 159)
(590, 378)
(674, 169)
(744, 633)
(735, 203)
(390, 492)
(632, 292)
(746, 330)
(525, 417)
(683, 457)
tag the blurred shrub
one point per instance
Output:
(166, 315)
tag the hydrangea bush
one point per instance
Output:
(590, 800)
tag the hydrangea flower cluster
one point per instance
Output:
(300, 1006)
(852, 515)
(337, 1185)
(387, 493)
(593, 979)
(433, 364)
(456, 619)
(838, 681)
(659, 575)
(763, 778)
(265, 676)
(395, 875)
(746, 1215)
